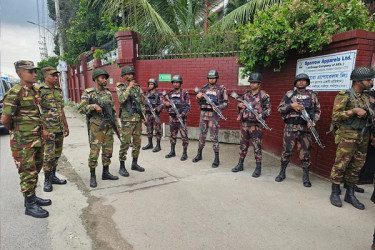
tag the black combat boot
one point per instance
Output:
(40, 201)
(335, 195)
(258, 170)
(172, 153)
(184, 155)
(373, 196)
(216, 162)
(356, 188)
(136, 167)
(199, 155)
(47, 182)
(149, 145)
(106, 175)
(123, 171)
(239, 166)
(33, 209)
(281, 175)
(93, 178)
(54, 179)
(305, 178)
(157, 148)
(350, 198)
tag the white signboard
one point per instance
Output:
(242, 80)
(329, 72)
(62, 66)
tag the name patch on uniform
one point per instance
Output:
(50, 96)
(28, 98)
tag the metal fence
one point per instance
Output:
(189, 46)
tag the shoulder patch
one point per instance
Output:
(289, 93)
(89, 90)
(16, 88)
(119, 83)
(342, 92)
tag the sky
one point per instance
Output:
(19, 40)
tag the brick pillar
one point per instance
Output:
(85, 80)
(127, 41)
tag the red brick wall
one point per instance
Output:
(194, 73)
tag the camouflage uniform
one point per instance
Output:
(181, 99)
(99, 139)
(251, 129)
(209, 119)
(351, 146)
(156, 100)
(25, 137)
(131, 121)
(296, 131)
(52, 105)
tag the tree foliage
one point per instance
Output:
(297, 26)
(90, 27)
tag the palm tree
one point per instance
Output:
(242, 14)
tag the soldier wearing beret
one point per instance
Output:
(54, 125)
(22, 116)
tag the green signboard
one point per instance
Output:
(110, 80)
(165, 77)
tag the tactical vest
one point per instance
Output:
(177, 99)
(255, 102)
(214, 94)
(154, 100)
(354, 122)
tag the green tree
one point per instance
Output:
(298, 26)
(89, 27)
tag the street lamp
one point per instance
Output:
(41, 27)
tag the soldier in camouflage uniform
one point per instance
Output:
(21, 115)
(132, 114)
(209, 119)
(296, 128)
(54, 124)
(156, 100)
(93, 100)
(180, 97)
(351, 109)
(251, 129)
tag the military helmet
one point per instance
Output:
(177, 78)
(154, 81)
(256, 77)
(362, 73)
(212, 74)
(98, 72)
(127, 70)
(302, 76)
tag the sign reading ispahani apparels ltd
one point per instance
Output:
(328, 72)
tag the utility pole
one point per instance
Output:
(62, 53)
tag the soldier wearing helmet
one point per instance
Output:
(251, 129)
(132, 115)
(351, 109)
(91, 101)
(209, 119)
(180, 97)
(156, 100)
(296, 131)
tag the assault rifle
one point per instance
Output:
(136, 106)
(107, 114)
(307, 118)
(151, 108)
(175, 109)
(369, 123)
(250, 108)
(212, 104)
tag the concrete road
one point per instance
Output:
(185, 205)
